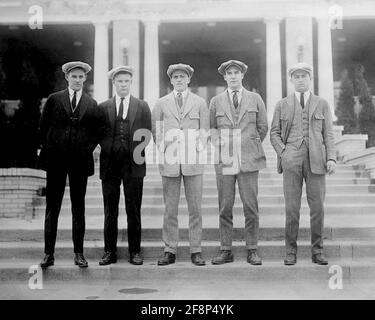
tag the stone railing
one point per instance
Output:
(20, 192)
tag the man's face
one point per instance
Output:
(301, 80)
(180, 80)
(75, 78)
(122, 83)
(233, 76)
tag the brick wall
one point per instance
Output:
(19, 192)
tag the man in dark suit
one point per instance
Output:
(122, 160)
(302, 136)
(70, 129)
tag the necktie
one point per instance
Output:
(121, 109)
(302, 100)
(74, 101)
(179, 99)
(235, 98)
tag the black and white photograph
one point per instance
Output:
(187, 155)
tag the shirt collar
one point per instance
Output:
(306, 95)
(71, 92)
(118, 98)
(184, 93)
(231, 91)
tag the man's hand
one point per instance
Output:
(331, 167)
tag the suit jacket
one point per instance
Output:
(171, 131)
(54, 132)
(321, 137)
(139, 116)
(239, 150)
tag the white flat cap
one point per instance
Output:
(225, 65)
(123, 69)
(180, 66)
(300, 66)
(76, 64)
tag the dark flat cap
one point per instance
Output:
(114, 71)
(225, 65)
(300, 66)
(180, 66)
(76, 64)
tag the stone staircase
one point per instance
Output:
(349, 233)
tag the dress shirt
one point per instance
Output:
(239, 94)
(71, 95)
(125, 103)
(306, 95)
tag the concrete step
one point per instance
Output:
(209, 190)
(157, 199)
(183, 272)
(208, 234)
(212, 209)
(272, 180)
(270, 250)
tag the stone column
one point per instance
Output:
(325, 65)
(273, 65)
(151, 66)
(101, 61)
(299, 44)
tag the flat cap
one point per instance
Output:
(180, 66)
(225, 65)
(300, 66)
(114, 71)
(76, 64)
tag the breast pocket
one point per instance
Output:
(194, 120)
(318, 121)
(252, 115)
(220, 118)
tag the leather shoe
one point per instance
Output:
(225, 256)
(290, 259)
(47, 261)
(166, 259)
(108, 258)
(80, 261)
(136, 258)
(253, 258)
(196, 258)
(319, 258)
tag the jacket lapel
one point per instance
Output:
(227, 104)
(312, 104)
(243, 104)
(132, 110)
(172, 106)
(82, 105)
(187, 105)
(66, 102)
(112, 112)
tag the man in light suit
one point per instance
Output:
(122, 161)
(71, 126)
(302, 136)
(176, 118)
(238, 122)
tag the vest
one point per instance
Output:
(73, 129)
(122, 135)
(299, 131)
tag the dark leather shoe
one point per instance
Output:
(47, 261)
(290, 259)
(319, 259)
(80, 261)
(136, 258)
(166, 259)
(225, 256)
(196, 258)
(253, 258)
(108, 258)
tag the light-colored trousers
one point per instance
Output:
(296, 168)
(248, 188)
(193, 193)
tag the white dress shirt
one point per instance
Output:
(125, 103)
(239, 94)
(306, 96)
(78, 96)
(184, 94)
